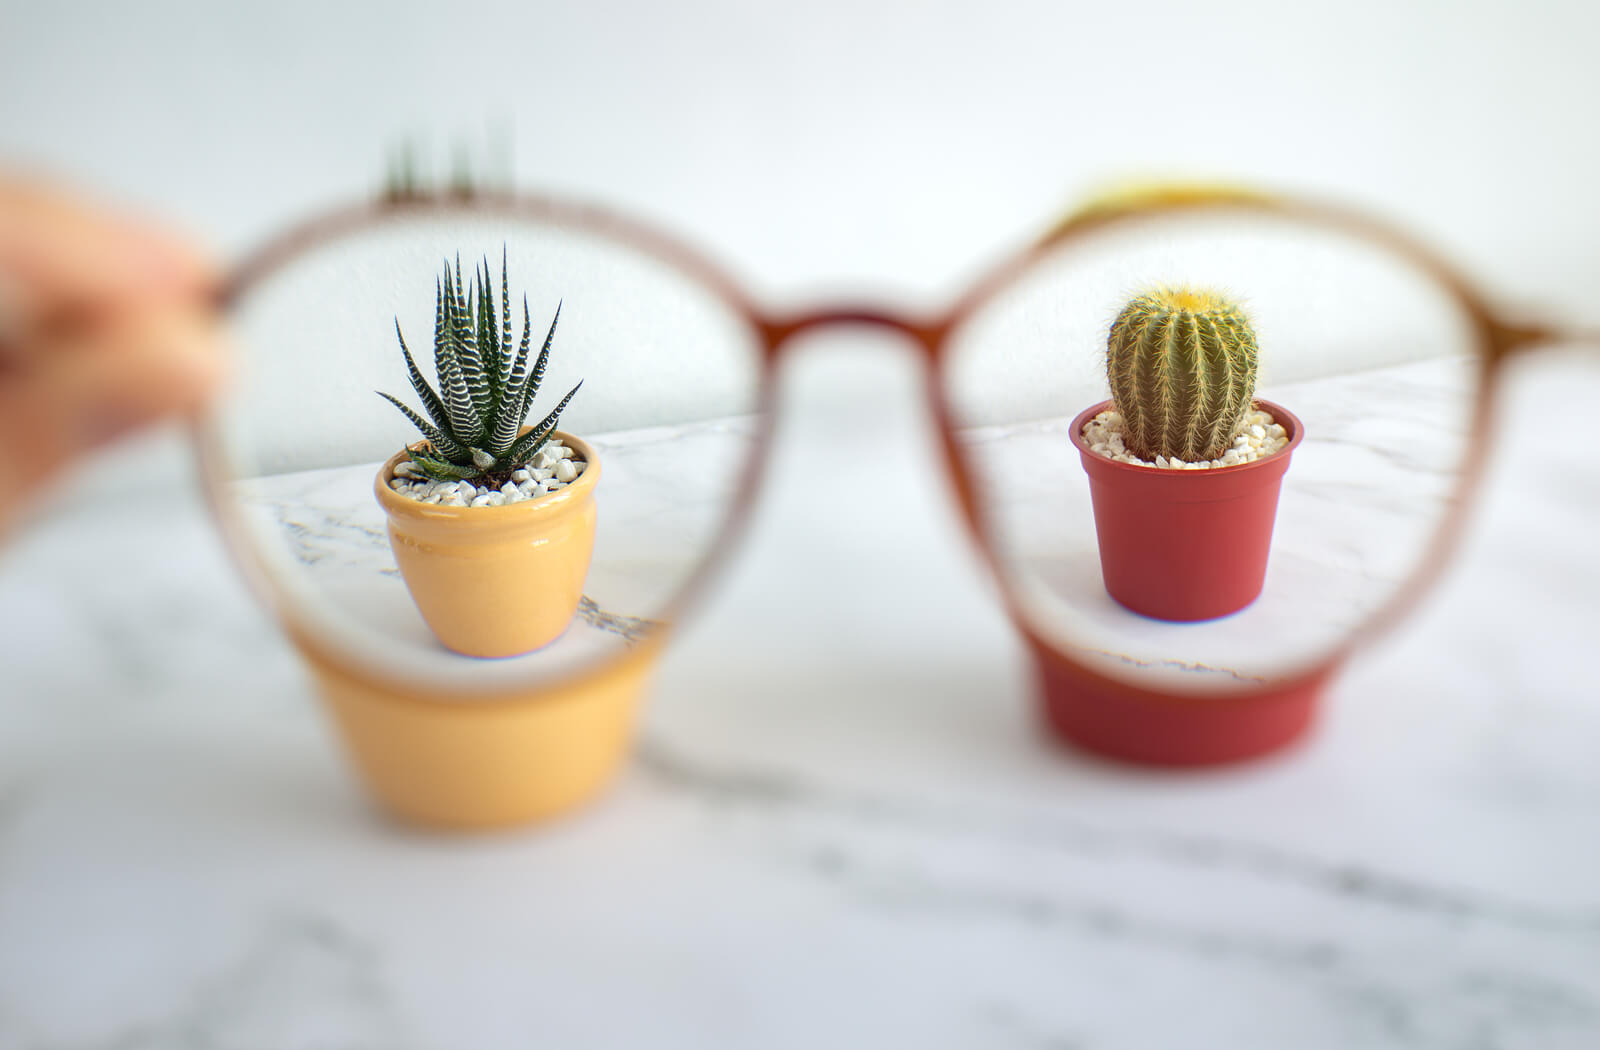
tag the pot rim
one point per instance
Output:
(1280, 415)
(550, 503)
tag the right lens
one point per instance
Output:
(1131, 567)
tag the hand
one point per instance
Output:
(105, 326)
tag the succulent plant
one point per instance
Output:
(1182, 366)
(484, 390)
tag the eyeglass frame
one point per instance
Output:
(1278, 706)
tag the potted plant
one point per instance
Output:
(1184, 463)
(491, 521)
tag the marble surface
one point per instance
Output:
(841, 826)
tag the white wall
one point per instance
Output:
(902, 143)
(317, 339)
(898, 147)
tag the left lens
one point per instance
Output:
(547, 563)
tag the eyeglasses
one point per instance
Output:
(1376, 356)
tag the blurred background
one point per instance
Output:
(896, 148)
(900, 144)
(182, 857)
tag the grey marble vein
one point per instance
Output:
(305, 983)
(1450, 1006)
(735, 786)
(1191, 666)
(907, 890)
(629, 628)
(1006, 1024)
(315, 534)
(1472, 1010)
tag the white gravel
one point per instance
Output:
(554, 468)
(1260, 438)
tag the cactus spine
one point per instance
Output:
(1182, 366)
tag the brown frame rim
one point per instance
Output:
(348, 219)
(1497, 337)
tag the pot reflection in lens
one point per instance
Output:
(663, 426)
(1375, 359)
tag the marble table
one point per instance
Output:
(841, 826)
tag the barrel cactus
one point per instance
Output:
(1182, 366)
(485, 390)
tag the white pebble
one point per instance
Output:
(1103, 437)
(529, 482)
(565, 453)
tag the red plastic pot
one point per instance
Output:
(1185, 544)
(1118, 719)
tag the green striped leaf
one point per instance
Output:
(522, 386)
(430, 400)
(466, 426)
(443, 470)
(502, 357)
(441, 441)
(527, 446)
(544, 357)
(470, 354)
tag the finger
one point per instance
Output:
(60, 257)
(74, 398)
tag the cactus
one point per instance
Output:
(485, 385)
(1182, 366)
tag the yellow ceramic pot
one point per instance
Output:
(496, 581)
(483, 762)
